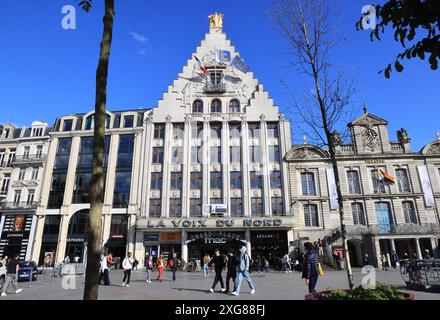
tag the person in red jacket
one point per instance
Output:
(160, 265)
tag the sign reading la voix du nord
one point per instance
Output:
(200, 223)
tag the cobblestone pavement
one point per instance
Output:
(193, 286)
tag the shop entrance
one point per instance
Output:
(13, 248)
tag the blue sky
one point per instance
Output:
(47, 71)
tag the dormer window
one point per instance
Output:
(90, 122)
(216, 77)
(37, 132)
(67, 125)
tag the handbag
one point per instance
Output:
(320, 270)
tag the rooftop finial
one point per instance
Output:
(305, 139)
(437, 135)
(363, 100)
(216, 21)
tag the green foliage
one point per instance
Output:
(86, 5)
(409, 18)
(382, 292)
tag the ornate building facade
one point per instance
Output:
(391, 194)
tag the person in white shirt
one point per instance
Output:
(103, 271)
(127, 265)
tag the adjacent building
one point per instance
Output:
(391, 193)
(22, 164)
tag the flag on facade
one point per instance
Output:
(385, 175)
(224, 56)
(239, 64)
(202, 66)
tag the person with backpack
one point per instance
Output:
(173, 263)
(127, 265)
(11, 276)
(311, 267)
(218, 263)
(160, 266)
(243, 266)
(149, 268)
(231, 267)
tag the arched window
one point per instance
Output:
(198, 106)
(216, 105)
(78, 223)
(90, 122)
(234, 106)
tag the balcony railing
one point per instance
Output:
(212, 88)
(27, 158)
(19, 205)
(7, 164)
(404, 228)
(396, 147)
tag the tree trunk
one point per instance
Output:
(97, 188)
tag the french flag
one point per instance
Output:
(202, 67)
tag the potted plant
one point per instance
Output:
(381, 292)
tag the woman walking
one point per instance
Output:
(127, 265)
(149, 268)
(218, 263)
(160, 265)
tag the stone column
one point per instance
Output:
(139, 250)
(226, 192)
(62, 240)
(136, 171)
(111, 170)
(147, 158)
(206, 161)
(166, 167)
(245, 168)
(184, 254)
(38, 241)
(46, 182)
(264, 153)
(392, 245)
(70, 179)
(285, 143)
(106, 225)
(435, 252)
(418, 250)
(377, 253)
(131, 232)
(248, 242)
(186, 174)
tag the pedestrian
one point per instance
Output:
(337, 261)
(11, 276)
(366, 260)
(4, 261)
(321, 247)
(414, 256)
(127, 265)
(2, 273)
(384, 262)
(310, 267)
(231, 267)
(286, 263)
(149, 267)
(206, 260)
(427, 255)
(135, 264)
(103, 271)
(173, 263)
(110, 260)
(66, 260)
(264, 264)
(394, 260)
(160, 266)
(218, 263)
(243, 266)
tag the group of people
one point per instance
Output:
(9, 274)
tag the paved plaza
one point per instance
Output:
(193, 286)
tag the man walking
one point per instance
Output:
(231, 267)
(127, 265)
(206, 260)
(12, 276)
(244, 262)
(219, 264)
(173, 262)
(310, 267)
(394, 259)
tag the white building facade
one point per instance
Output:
(22, 163)
(212, 169)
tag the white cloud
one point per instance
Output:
(139, 37)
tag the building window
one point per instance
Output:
(308, 184)
(121, 194)
(275, 179)
(311, 215)
(5, 184)
(63, 153)
(22, 174)
(358, 214)
(11, 157)
(236, 207)
(216, 155)
(128, 121)
(235, 154)
(175, 207)
(272, 130)
(156, 181)
(178, 131)
(402, 180)
(35, 172)
(197, 106)
(17, 196)
(378, 183)
(354, 186)
(236, 180)
(26, 153)
(125, 151)
(159, 131)
(256, 180)
(274, 154)
(216, 78)
(196, 181)
(119, 225)
(234, 106)
(257, 207)
(384, 217)
(277, 206)
(37, 132)
(216, 105)
(158, 155)
(216, 201)
(155, 207)
(56, 194)
(177, 155)
(216, 180)
(176, 180)
(81, 191)
(2, 156)
(39, 153)
(234, 130)
(90, 123)
(30, 197)
(67, 125)
(195, 205)
(254, 154)
(196, 154)
(216, 131)
(254, 130)
(196, 130)
(409, 212)
(52, 225)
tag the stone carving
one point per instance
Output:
(216, 20)
(370, 138)
(337, 139)
(434, 149)
(403, 136)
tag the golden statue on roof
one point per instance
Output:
(216, 21)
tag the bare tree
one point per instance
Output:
(97, 187)
(307, 27)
